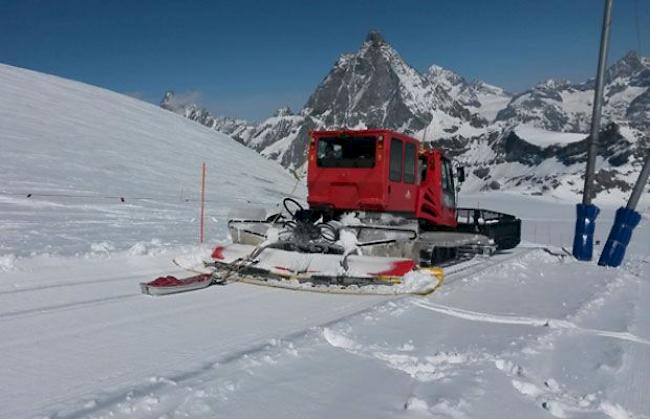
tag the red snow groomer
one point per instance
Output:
(380, 204)
(395, 180)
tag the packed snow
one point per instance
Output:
(530, 333)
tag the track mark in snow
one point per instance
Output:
(185, 394)
(186, 389)
(58, 307)
(89, 282)
(486, 317)
(480, 264)
(525, 321)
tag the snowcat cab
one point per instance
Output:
(387, 172)
(380, 171)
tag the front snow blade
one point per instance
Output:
(285, 263)
(365, 275)
(355, 286)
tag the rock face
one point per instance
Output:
(533, 141)
(476, 96)
(544, 106)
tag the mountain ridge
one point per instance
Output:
(474, 121)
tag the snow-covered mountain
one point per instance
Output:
(535, 161)
(371, 88)
(114, 170)
(374, 87)
(512, 142)
(537, 142)
(560, 105)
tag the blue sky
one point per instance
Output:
(246, 58)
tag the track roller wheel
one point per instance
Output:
(443, 254)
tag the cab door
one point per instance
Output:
(402, 187)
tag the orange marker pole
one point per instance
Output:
(202, 221)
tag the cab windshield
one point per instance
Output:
(346, 152)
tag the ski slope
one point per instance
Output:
(77, 149)
(527, 334)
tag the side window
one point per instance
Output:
(409, 162)
(445, 178)
(448, 193)
(395, 160)
(450, 176)
(423, 168)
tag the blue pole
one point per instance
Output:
(626, 220)
(619, 237)
(583, 240)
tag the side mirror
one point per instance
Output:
(461, 174)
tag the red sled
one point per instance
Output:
(171, 285)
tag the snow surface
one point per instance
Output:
(526, 334)
(491, 104)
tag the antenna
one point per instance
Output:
(424, 134)
(638, 27)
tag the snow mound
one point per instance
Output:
(7, 262)
(544, 138)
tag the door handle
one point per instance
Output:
(389, 189)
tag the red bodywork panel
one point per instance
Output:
(413, 187)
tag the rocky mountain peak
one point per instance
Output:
(166, 101)
(441, 75)
(630, 65)
(552, 84)
(373, 87)
(375, 38)
(283, 111)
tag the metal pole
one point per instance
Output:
(598, 100)
(202, 212)
(586, 212)
(639, 186)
